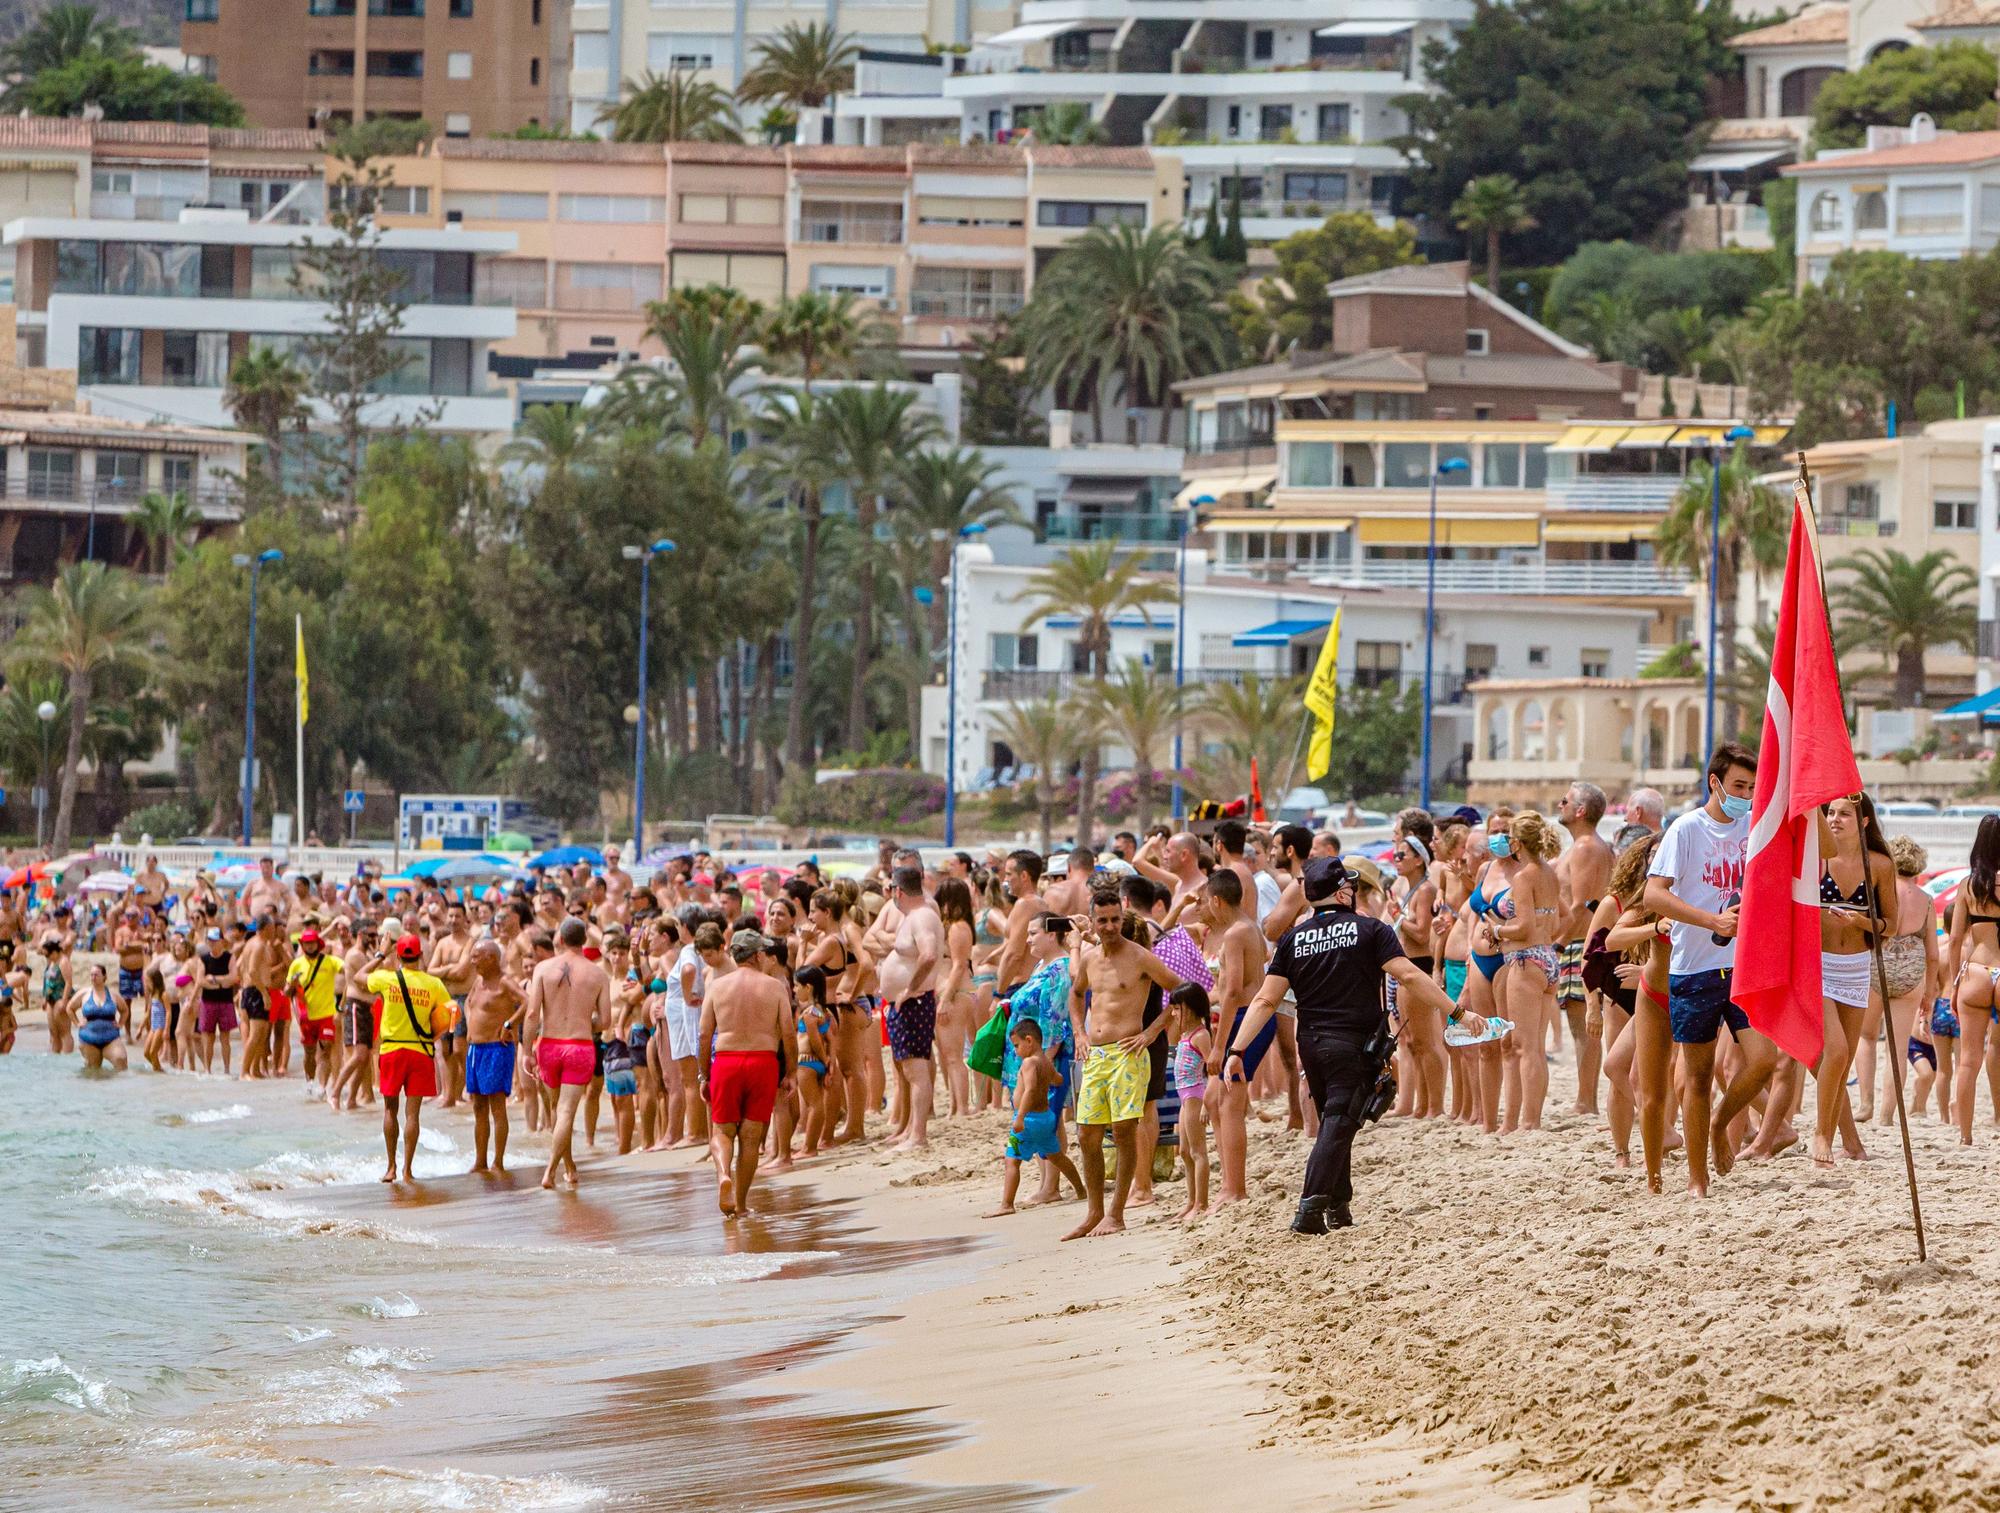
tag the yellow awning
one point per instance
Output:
(1648, 436)
(1711, 435)
(1414, 530)
(1264, 521)
(1594, 530)
(1598, 438)
(1254, 481)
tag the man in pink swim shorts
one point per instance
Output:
(569, 1001)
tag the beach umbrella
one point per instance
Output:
(465, 869)
(235, 875)
(106, 882)
(569, 856)
(22, 876)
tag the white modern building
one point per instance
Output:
(152, 313)
(1916, 190)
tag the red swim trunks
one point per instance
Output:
(318, 1031)
(566, 1063)
(742, 1086)
(408, 1071)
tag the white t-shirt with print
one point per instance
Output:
(1705, 861)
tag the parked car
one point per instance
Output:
(1969, 811)
(1908, 809)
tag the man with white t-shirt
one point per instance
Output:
(1696, 883)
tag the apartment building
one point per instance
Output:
(150, 313)
(615, 41)
(469, 67)
(1914, 190)
(940, 240)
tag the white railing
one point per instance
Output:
(1511, 577)
(1614, 492)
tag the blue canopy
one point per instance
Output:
(1979, 704)
(1281, 632)
(569, 856)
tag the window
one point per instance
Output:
(1260, 46)
(177, 475)
(965, 293)
(877, 222)
(1828, 214)
(618, 209)
(1369, 406)
(1458, 478)
(461, 10)
(686, 51)
(1273, 121)
(404, 199)
(1089, 213)
(517, 281)
(1378, 664)
(1309, 464)
(496, 205)
(611, 287)
(957, 210)
(330, 63)
(396, 65)
(202, 66)
(457, 123)
(1235, 119)
(329, 7)
(201, 10)
(1871, 210)
(1594, 662)
(1335, 122)
(1954, 514)
(591, 51)
(535, 13)
(1013, 653)
(534, 74)
(121, 473)
(1989, 207)
(1480, 660)
(1538, 656)
(410, 8)
(1406, 465)
(1861, 501)
(52, 473)
(1478, 341)
(1535, 465)
(107, 355)
(458, 65)
(156, 269)
(1500, 467)
(1316, 188)
(1931, 210)
(842, 278)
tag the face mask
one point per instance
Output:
(1500, 845)
(1734, 807)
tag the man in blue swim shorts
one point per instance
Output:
(493, 1013)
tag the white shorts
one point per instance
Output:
(683, 1029)
(1844, 979)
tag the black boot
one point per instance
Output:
(1311, 1218)
(1337, 1217)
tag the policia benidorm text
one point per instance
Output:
(1334, 962)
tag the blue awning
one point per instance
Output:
(1980, 703)
(1281, 632)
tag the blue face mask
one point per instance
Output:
(1734, 807)
(1500, 845)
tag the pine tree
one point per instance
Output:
(1211, 234)
(1235, 248)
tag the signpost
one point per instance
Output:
(351, 802)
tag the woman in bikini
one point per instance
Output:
(1457, 863)
(1423, 1033)
(988, 939)
(1972, 958)
(1616, 999)
(955, 996)
(836, 951)
(1485, 984)
(1527, 916)
(1910, 962)
(1857, 864)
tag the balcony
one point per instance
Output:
(1447, 688)
(1614, 491)
(833, 228)
(1641, 579)
(1136, 527)
(941, 306)
(213, 498)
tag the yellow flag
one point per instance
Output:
(299, 629)
(1320, 691)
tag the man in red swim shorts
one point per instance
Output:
(745, 1045)
(569, 1000)
(411, 1008)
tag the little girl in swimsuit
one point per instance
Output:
(1187, 1028)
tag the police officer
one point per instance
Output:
(1334, 961)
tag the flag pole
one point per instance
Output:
(299, 730)
(1875, 915)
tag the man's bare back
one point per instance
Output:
(572, 994)
(750, 1011)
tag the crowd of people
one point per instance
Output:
(1123, 1006)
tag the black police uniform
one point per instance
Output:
(1333, 961)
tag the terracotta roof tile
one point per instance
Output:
(1961, 13)
(1959, 151)
(1816, 25)
(1090, 157)
(41, 131)
(726, 152)
(510, 150)
(966, 155)
(887, 159)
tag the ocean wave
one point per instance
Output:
(379, 1356)
(327, 1395)
(219, 1115)
(451, 1490)
(253, 1197)
(348, 1169)
(54, 1380)
(381, 1308)
(307, 1336)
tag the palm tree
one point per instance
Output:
(803, 66)
(267, 394)
(552, 438)
(1068, 123)
(1256, 717)
(1901, 607)
(1041, 735)
(711, 339)
(942, 493)
(673, 108)
(61, 34)
(21, 729)
(1125, 300)
(1756, 523)
(871, 430)
(817, 335)
(90, 625)
(1091, 583)
(1138, 708)
(167, 523)
(1493, 207)
(793, 461)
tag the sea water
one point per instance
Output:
(208, 1300)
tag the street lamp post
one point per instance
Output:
(255, 564)
(1733, 434)
(1450, 465)
(951, 693)
(644, 556)
(46, 713)
(1180, 642)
